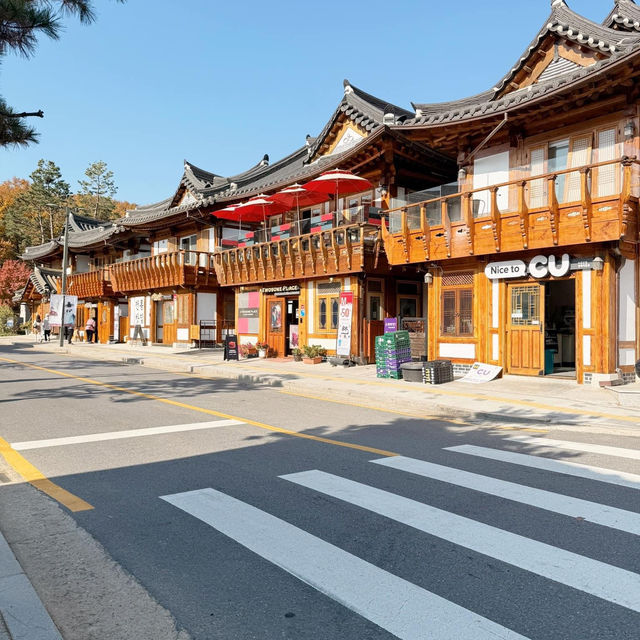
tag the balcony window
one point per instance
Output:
(189, 244)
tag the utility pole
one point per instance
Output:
(65, 253)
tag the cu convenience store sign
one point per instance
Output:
(537, 267)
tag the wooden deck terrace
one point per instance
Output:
(92, 284)
(175, 269)
(588, 204)
(339, 250)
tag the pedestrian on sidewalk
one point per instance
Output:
(46, 328)
(70, 327)
(37, 327)
(90, 329)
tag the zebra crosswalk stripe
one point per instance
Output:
(407, 611)
(618, 452)
(566, 505)
(610, 583)
(118, 435)
(620, 478)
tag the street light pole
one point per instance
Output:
(65, 252)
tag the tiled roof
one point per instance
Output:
(40, 250)
(617, 45)
(625, 15)
(83, 232)
(364, 109)
(45, 280)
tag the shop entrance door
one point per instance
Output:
(525, 326)
(159, 322)
(276, 326)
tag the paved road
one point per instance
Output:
(251, 513)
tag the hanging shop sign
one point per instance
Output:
(343, 342)
(390, 325)
(55, 310)
(538, 267)
(286, 290)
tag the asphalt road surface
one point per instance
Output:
(247, 512)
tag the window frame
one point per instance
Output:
(458, 291)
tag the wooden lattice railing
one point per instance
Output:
(592, 203)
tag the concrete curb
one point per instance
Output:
(20, 606)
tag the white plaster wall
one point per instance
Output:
(627, 317)
(626, 357)
(495, 346)
(327, 343)
(586, 351)
(457, 350)
(206, 306)
(182, 334)
(586, 300)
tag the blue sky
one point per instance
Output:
(153, 82)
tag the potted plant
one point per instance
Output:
(263, 349)
(247, 350)
(297, 354)
(313, 353)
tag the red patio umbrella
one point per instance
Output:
(259, 207)
(338, 181)
(296, 196)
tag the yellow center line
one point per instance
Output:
(422, 388)
(34, 477)
(211, 412)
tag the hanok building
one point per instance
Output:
(92, 246)
(289, 275)
(279, 275)
(532, 254)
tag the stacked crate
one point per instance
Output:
(392, 350)
(437, 372)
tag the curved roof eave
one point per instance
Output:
(562, 21)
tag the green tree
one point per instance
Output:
(22, 22)
(97, 191)
(37, 215)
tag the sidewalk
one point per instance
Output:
(513, 400)
(22, 614)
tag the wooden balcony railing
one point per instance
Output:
(593, 203)
(92, 284)
(176, 269)
(330, 252)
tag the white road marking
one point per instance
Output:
(620, 478)
(117, 435)
(573, 507)
(398, 606)
(591, 576)
(618, 452)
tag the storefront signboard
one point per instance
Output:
(249, 312)
(538, 267)
(137, 310)
(343, 343)
(390, 325)
(231, 347)
(55, 310)
(481, 372)
(285, 290)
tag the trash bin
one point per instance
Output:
(412, 371)
(548, 361)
